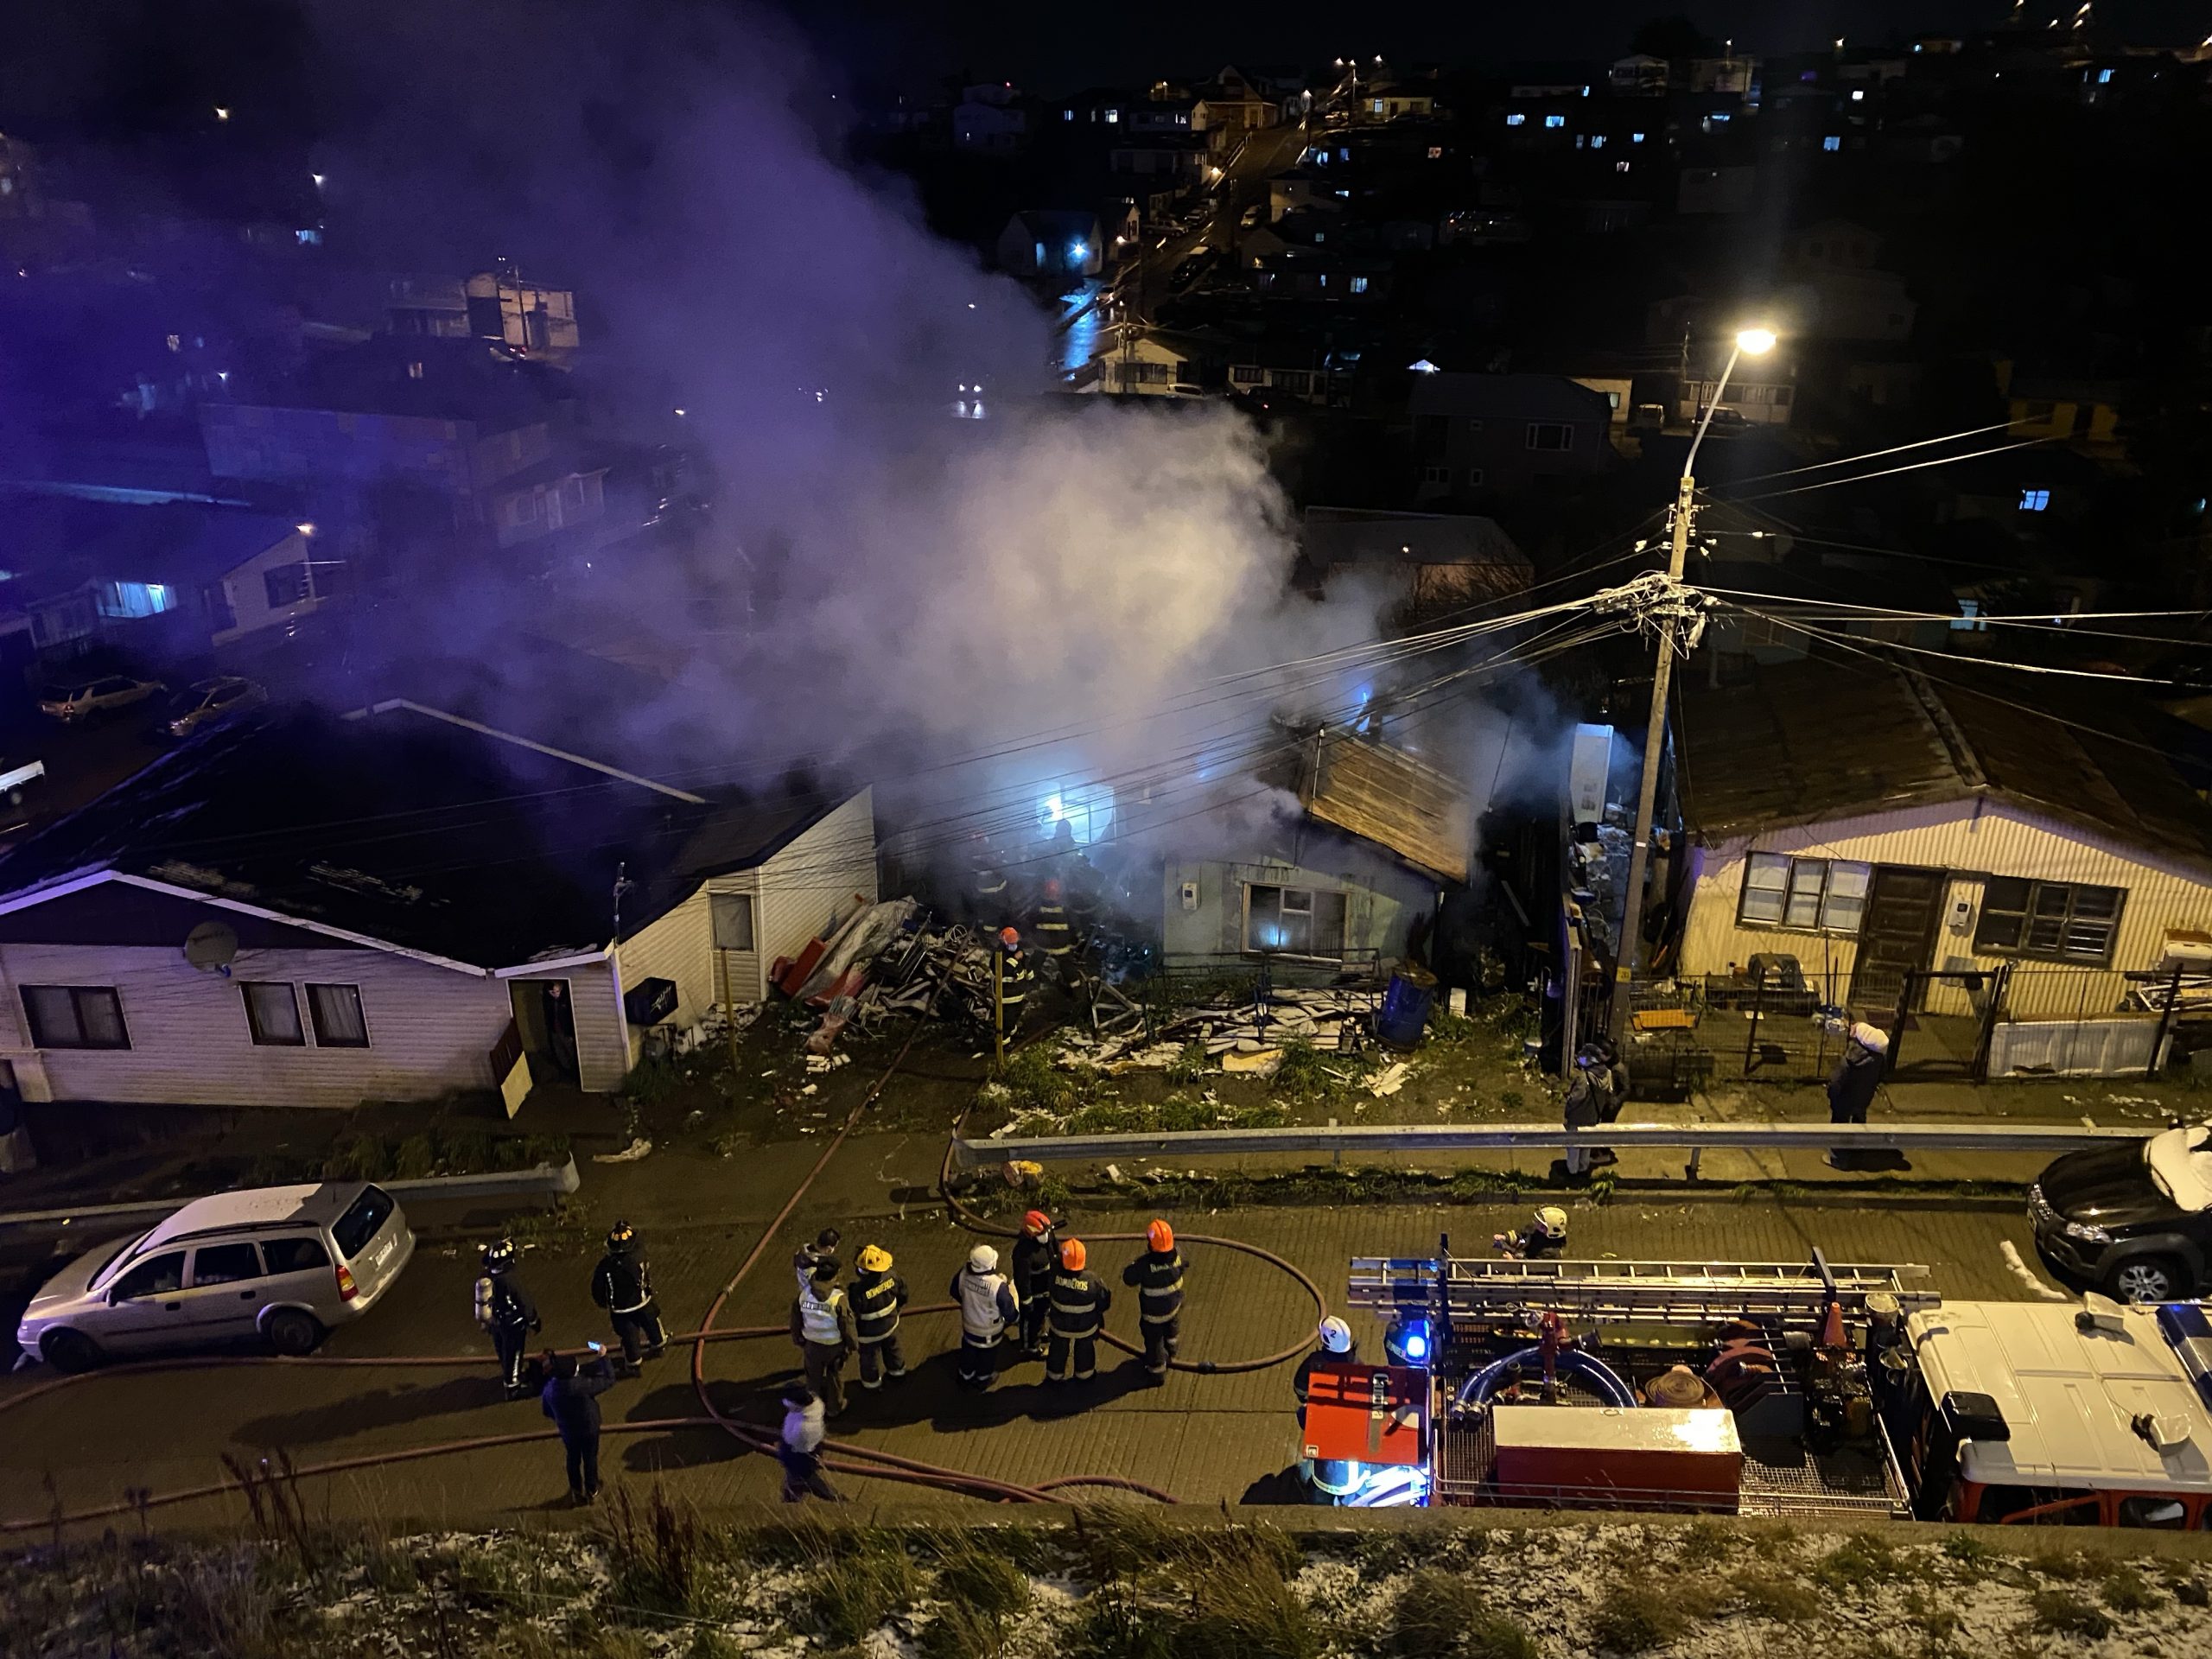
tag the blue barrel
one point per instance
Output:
(1404, 1013)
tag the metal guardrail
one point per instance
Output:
(1697, 1137)
(540, 1180)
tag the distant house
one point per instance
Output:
(1638, 75)
(1504, 432)
(498, 304)
(990, 120)
(1873, 823)
(1310, 373)
(1053, 244)
(556, 494)
(2076, 410)
(1763, 390)
(1830, 287)
(300, 910)
(1327, 275)
(1171, 157)
(1436, 561)
(1153, 362)
(1382, 101)
(1229, 106)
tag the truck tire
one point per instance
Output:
(2148, 1278)
(292, 1332)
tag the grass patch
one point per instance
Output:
(2066, 1566)
(1636, 1614)
(1859, 1561)
(1963, 1550)
(1782, 1596)
(2126, 1591)
(1308, 1076)
(1441, 1614)
(1706, 1539)
(853, 1590)
(653, 1549)
(2061, 1613)
(1190, 1065)
(1242, 1604)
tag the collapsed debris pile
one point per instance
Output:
(1249, 1025)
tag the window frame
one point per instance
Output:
(116, 1294)
(41, 1039)
(270, 588)
(752, 912)
(1823, 890)
(260, 1266)
(1320, 903)
(261, 1037)
(1563, 428)
(323, 1038)
(2031, 910)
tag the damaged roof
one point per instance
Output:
(1819, 739)
(410, 831)
(1386, 797)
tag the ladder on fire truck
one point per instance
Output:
(1475, 1289)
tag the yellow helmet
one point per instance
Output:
(875, 1259)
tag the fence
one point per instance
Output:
(1965, 1025)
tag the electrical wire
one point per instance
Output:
(1862, 477)
(1949, 656)
(1871, 455)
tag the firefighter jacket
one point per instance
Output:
(1016, 977)
(989, 880)
(1035, 1262)
(1079, 1304)
(503, 1305)
(1159, 1281)
(825, 1319)
(622, 1283)
(1054, 937)
(1301, 1380)
(876, 1299)
(987, 1304)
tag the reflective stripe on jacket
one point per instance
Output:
(983, 1297)
(1159, 1281)
(877, 1299)
(818, 1319)
(1052, 931)
(1079, 1304)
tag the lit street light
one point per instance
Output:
(1757, 342)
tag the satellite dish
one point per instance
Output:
(211, 947)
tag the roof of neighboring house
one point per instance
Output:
(1386, 797)
(475, 380)
(56, 543)
(1337, 535)
(1509, 397)
(408, 830)
(1823, 739)
(1050, 222)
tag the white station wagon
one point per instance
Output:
(285, 1263)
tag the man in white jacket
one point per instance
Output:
(800, 1451)
(987, 1306)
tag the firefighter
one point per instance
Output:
(1016, 977)
(1335, 1345)
(987, 1306)
(877, 1295)
(1055, 935)
(987, 882)
(1589, 1102)
(1036, 1253)
(505, 1312)
(1546, 1235)
(1078, 1312)
(1157, 1275)
(623, 1285)
(808, 1257)
(825, 1333)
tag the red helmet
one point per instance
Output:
(1009, 937)
(1036, 1223)
(1053, 888)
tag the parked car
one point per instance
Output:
(83, 699)
(2134, 1218)
(283, 1263)
(211, 700)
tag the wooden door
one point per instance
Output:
(1897, 934)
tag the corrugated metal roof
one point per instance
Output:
(1392, 799)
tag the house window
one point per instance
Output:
(1550, 434)
(1436, 152)
(337, 1013)
(1246, 374)
(1554, 120)
(215, 599)
(287, 584)
(1517, 120)
(1359, 285)
(272, 1013)
(1597, 140)
(1375, 106)
(1831, 142)
(1298, 380)
(1636, 137)
(1296, 921)
(733, 920)
(2034, 500)
(1474, 478)
(2060, 921)
(1827, 894)
(1436, 475)
(75, 1016)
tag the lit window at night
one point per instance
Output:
(1359, 285)
(1517, 120)
(1086, 809)
(1554, 120)
(1636, 137)
(1832, 142)
(2034, 500)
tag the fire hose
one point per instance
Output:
(841, 1457)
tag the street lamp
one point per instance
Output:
(1757, 342)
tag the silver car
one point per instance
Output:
(284, 1263)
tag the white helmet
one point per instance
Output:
(1335, 1336)
(1872, 1039)
(982, 1259)
(1551, 1221)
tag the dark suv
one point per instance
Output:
(2134, 1219)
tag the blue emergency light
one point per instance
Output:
(1409, 1340)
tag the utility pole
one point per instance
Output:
(1757, 341)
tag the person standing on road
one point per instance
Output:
(808, 1257)
(570, 1398)
(1589, 1099)
(799, 1448)
(1858, 1074)
(506, 1312)
(877, 1295)
(1336, 1348)
(1157, 1276)
(1036, 1254)
(825, 1333)
(1077, 1314)
(623, 1285)
(987, 1306)
(1016, 975)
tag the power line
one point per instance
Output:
(1873, 454)
(1862, 477)
(1984, 662)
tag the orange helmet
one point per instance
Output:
(1009, 937)
(1053, 888)
(1036, 1223)
(1160, 1236)
(1073, 1256)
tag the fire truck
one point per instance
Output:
(1762, 1389)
